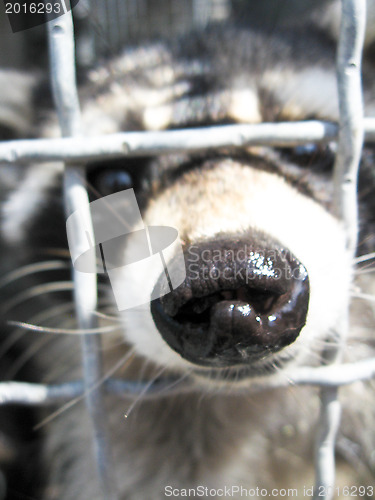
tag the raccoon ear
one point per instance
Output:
(16, 103)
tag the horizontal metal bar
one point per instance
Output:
(325, 376)
(71, 149)
(25, 393)
(146, 143)
(38, 394)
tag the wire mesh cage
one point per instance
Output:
(73, 149)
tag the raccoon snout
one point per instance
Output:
(241, 301)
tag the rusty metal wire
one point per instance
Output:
(75, 148)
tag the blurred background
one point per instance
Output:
(103, 27)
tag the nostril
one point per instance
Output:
(242, 310)
(197, 310)
(262, 301)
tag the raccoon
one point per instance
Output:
(268, 279)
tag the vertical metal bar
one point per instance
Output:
(329, 422)
(61, 44)
(351, 125)
(351, 131)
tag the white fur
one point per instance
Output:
(24, 202)
(311, 91)
(15, 100)
(244, 106)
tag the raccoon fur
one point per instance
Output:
(217, 436)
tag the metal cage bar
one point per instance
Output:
(350, 142)
(63, 79)
(71, 148)
(156, 143)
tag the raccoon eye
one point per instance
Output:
(319, 157)
(306, 149)
(108, 180)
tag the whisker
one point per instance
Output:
(124, 360)
(176, 382)
(16, 335)
(71, 331)
(114, 344)
(142, 372)
(366, 270)
(11, 341)
(48, 265)
(314, 353)
(364, 296)
(363, 340)
(283, 374)
(26, 356)
(63, 253)
(53, 313)
(364, 258)
(58, 412)
(144, 391)
(57, 286)
(39, 290)
(366, 329)
(103, 315)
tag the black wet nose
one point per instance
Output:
(242, 300)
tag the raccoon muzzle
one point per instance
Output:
(242, 300)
